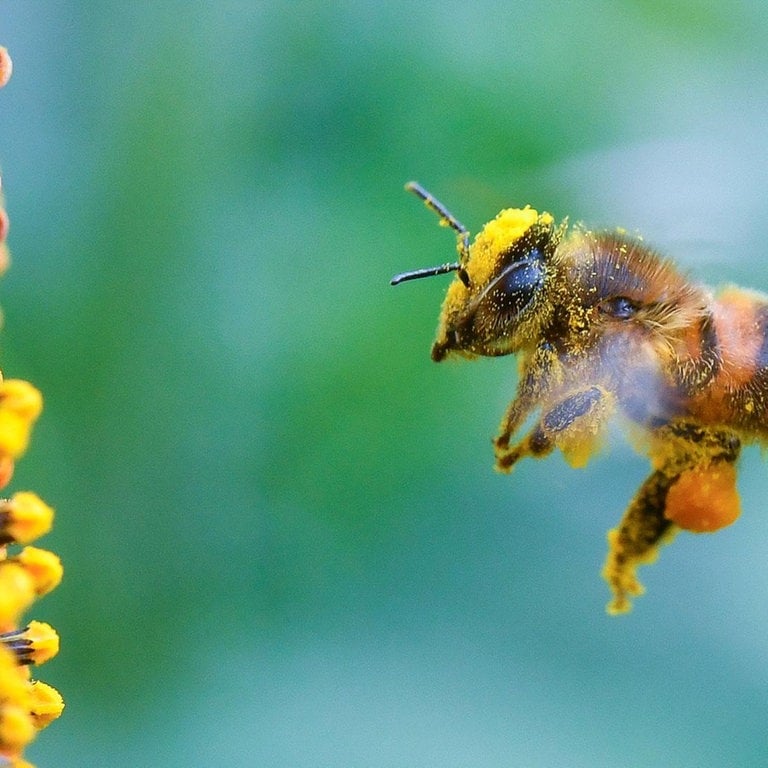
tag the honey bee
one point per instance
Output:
(604, 326)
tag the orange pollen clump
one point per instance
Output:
(704, 500)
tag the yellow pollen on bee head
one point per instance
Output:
(496, 236)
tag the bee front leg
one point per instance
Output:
(539, 372)
(693, 487)
(573, 424)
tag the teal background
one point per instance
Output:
(284, 541)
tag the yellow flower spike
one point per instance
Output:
(43, 566)
(26, 705)
(17, 592)
(46, 704)
(23, 518)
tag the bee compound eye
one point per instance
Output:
(518, 284)
(619, 307)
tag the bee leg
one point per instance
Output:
(693, 487)
(507, 456)
(538, 373)
(536, 443)
(636, 541)
(573, 425)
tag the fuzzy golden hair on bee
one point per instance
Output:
(604, 326)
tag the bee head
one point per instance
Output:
(490, 307)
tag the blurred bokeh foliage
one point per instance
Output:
(283, 538)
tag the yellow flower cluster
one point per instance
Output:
(26, 572)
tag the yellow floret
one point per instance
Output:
(24, 517)
(44, 641)
(46, 704)
(20, 405)
(44, 568)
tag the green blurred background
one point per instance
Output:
(284, 541)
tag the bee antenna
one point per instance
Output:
(426, 272)
(447, 219)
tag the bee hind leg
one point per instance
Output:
(693, 487)
(636, 541)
